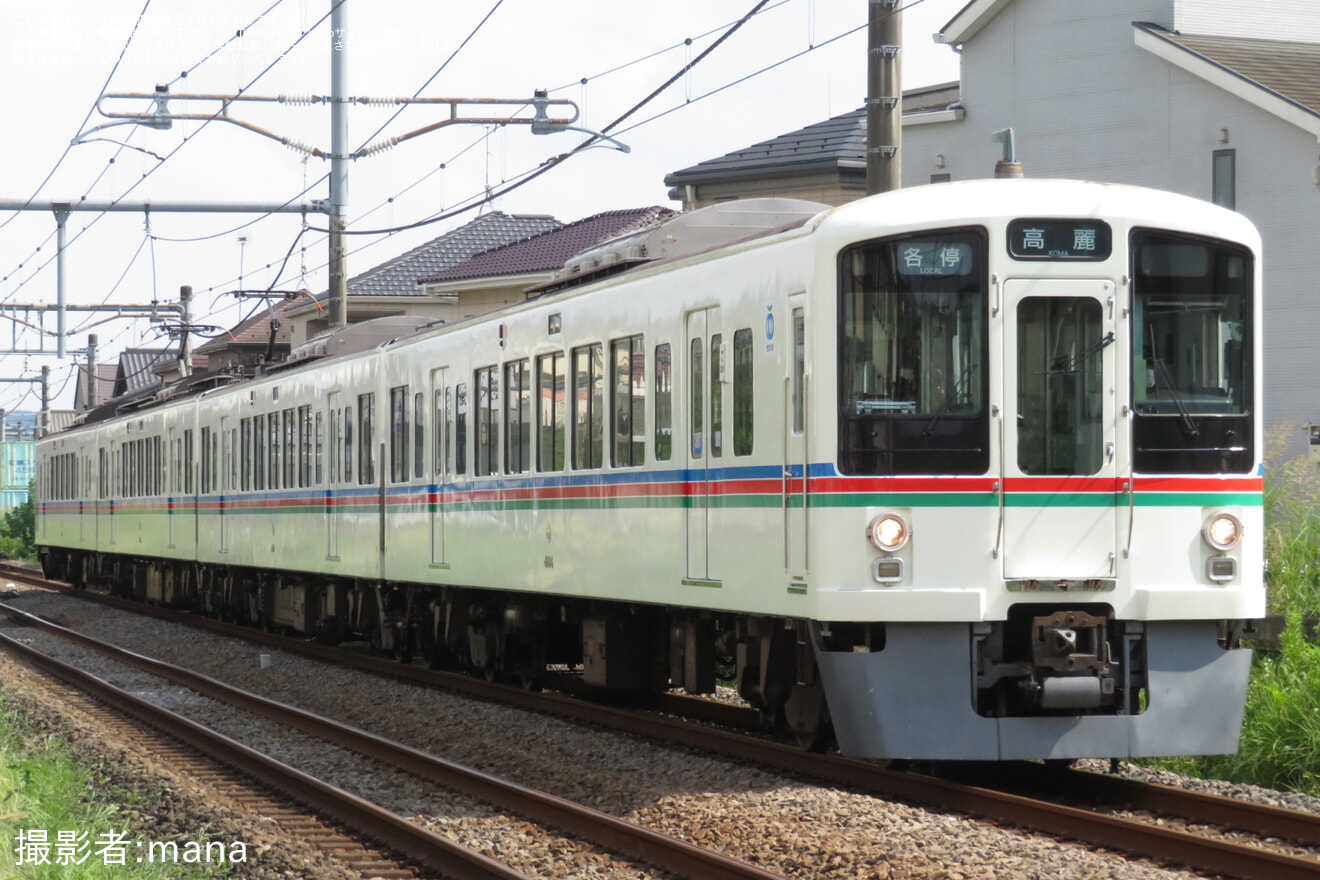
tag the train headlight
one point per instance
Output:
(1222, 531)
(888, 532)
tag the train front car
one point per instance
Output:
(1042, 525)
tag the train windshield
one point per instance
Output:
(913, 378)
(1191, 349)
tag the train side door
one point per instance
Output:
(442, 419)
(795, 446)
(1060, 370)
(705, 440)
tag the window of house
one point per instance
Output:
(1223, 184)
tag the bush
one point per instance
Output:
(18, 530)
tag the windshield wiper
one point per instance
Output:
(1162, 374)
(929, 430)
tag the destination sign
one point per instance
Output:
(1055, 239)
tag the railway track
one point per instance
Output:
(1160, 842)
(420, 846)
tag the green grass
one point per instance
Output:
(1280, 746)
(45, 787)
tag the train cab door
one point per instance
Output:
(704, 359)
(1060, 512)
(442, 417)
(794, 478)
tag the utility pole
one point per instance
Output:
(338, 291)
(884, 98)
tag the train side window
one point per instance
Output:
(304, 446)
(743, 427)
(460, 428)
(399, 434)
(440, 418)
(187, 461)
(419, 434)
(550, 416)
(366, 439)
(245, 452)
(588, 406)
(518, 417)
(486, 447)
(664, 403)
(628, 387)
(290, 448)
(716, 395)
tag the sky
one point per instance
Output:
(795, 63)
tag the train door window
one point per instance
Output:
(275, 451)
(400, 435)
(588, 406)
(348, 444)
(664, 403)
(486, 447)
(440, 419)
(717, 395)
(550, 403)
(366, 439)
(799, 369)
(318, 447)
(628, 387)
(336, 444)
(259, 453)
(245, 452)
(1060, 386)
(695, 384)
(101, 461)
(206, 460)
(188, 462)
(743, 427)
(419, 434)
(305, 446)
(460, 428)
(518, 417)
(290, 448)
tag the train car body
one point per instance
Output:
(969, 471)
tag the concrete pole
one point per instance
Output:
(91, 372)
(884, 101)
(43, 422)
(338, 294)
(61, 216)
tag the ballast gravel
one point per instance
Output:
(770, 820)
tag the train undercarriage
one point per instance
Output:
(624, 648)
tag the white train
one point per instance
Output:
(967, 471)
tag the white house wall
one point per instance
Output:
(1086, 102)
(1292, 20)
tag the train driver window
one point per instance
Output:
(912, 355)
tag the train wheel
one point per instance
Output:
(807, 717)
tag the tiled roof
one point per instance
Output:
(839, 142)
(135, 368)
(549, 250)
(1289, 70)
(398, 277)
(395, 277)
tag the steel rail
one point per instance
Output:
(415, 843)
(1131, 836)
(605, 830)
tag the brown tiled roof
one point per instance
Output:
(1289, 70)
(549, 250)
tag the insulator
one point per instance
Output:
(378, 101)
(300, 147)
(300, 100)
(375, 148)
